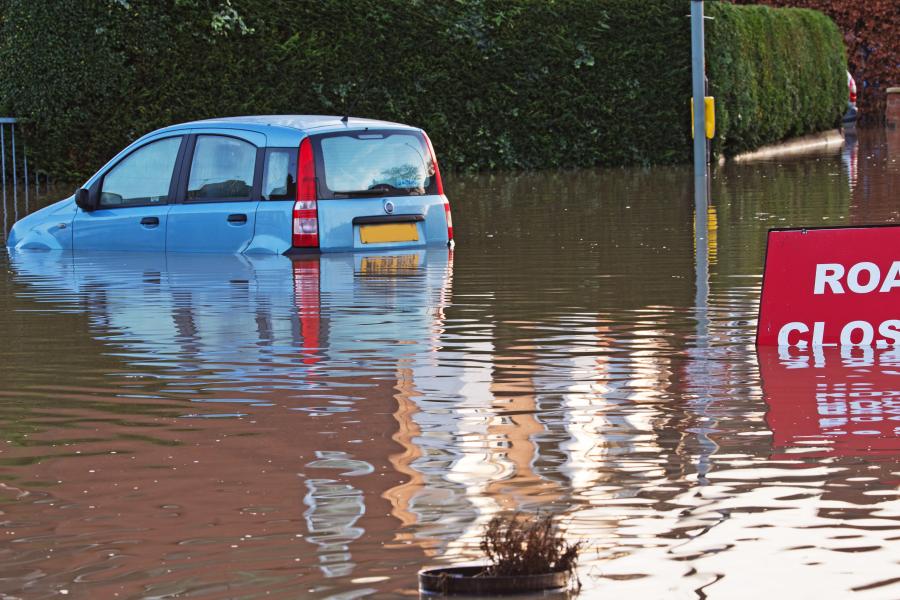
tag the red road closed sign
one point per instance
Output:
(831, 287)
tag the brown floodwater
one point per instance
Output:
(248, 427)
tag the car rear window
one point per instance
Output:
(374, 163)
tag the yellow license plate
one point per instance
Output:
(388, 232)
(388, 265)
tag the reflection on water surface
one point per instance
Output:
(231, 426)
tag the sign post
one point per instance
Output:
(700, 367)
(698, 92)
(701, 216)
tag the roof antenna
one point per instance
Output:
(345, 118)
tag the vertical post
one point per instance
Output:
(25, 159)
(702, 366)
(3, 177)
(3, 171)
(3, 159)
(701, 216)
(698, 88)
(15, 175)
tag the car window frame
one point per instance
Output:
(173, 180)
(188, 158)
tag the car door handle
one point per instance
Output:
(237, 218)
(150, 221)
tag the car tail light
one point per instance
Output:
(306, 210)
(437, 170)
(852, 84)
(439, 184)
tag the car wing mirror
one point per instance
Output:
(86, 199)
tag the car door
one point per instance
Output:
(218, 194)
(134, 200)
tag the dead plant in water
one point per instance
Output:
(525, 545)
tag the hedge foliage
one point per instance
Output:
(775, 73)
(872, 35)
(506, 84)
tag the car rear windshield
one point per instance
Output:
(374, 163)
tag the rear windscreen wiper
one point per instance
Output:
(375, 190)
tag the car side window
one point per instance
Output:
(280, 174)
(221, 169)
(143, 177)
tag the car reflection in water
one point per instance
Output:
(207, 307)
(328, 336)
(831, 401)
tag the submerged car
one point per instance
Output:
(263, 184)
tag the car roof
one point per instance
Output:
(302, 122)
(284, 128)
(281, 131)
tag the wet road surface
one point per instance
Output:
(248, 427)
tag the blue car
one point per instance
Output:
(256, 185)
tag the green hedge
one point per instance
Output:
(775, 73)
(497, 83)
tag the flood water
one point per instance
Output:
(245, 427)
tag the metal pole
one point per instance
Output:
(25, 158)
(701, 202)
(3, 159)
(15, 183)
(702, 366)
(5, 217)
(698, 85)
(701, 176)
(3, 173)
